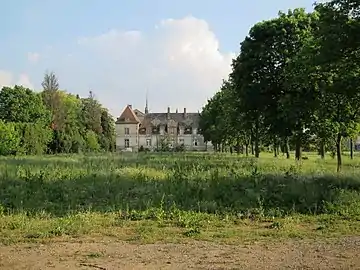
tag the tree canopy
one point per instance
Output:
(293, 86)
(52, 121)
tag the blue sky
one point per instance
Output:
(178, 51)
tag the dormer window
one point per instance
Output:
(188, 130)
(142, 130)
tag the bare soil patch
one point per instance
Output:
(291, 254)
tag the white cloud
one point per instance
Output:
(178, 62)
(33, 57)
(24, 80)
(7, 79)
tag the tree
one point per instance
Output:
(339, 60)
(92, 113)
(259, 75)
(19, 104)
(9, 139)
(50, 82)
(52, 99)
(107, 138)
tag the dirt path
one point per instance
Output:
(343, 254)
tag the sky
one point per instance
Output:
(178, 51)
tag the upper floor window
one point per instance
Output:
(127, 131)
(142, 130)
(188, 130)
(155, 130)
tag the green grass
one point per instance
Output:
(176, 197)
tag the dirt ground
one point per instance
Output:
(342, 254)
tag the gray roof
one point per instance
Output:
(192, 118)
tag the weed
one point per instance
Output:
(153, 196)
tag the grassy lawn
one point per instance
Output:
(177, 197)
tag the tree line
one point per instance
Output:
(295, 83)
(52, 121)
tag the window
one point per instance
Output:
(155, 130)
(127, 143)
(127, 131)
(148, 142)
(188, 130)
(181, 141)
(195, 142)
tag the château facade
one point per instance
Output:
(136, 129)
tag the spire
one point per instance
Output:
(146, 103)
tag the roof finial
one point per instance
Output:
(146, 103)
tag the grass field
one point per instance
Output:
(177, 198)
(171, 197)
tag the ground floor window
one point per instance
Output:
(148, 142)
(127, 143)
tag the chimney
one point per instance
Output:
(184, 112)
(168, 113)
(130, 106)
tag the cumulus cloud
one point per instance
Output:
(24, 80)
(7, 79)
(179, 63)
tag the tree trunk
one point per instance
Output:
(247, 150)
(298, 150)
(322, 148)
(238, 151)
(338, 152)
(275, 148)
(351, 148)
(286, 147)
(257, 148)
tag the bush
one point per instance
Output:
(9, 139)
(92, 141)
(180, 148)
(34, 138)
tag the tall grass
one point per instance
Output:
(177, 188)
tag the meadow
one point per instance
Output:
(176, 197)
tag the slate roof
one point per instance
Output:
(191, 119)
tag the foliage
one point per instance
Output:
(9, 138)
(52, 121)
(287, 69)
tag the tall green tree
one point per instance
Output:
(19, 104)
(339, 60)
(107, 138)
(92, 113)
